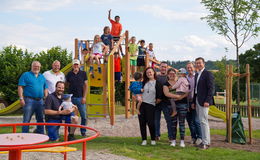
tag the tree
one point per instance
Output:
(236, 20)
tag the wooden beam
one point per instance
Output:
(227, 102)
(249, 112)
(112, 90)
(127, 77)
(230, 102)
(146, 60)
(117, 44)
(76, 54)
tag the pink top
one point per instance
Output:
(182, 85)
(21, 139)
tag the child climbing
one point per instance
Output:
(136, 88)
(151, 53)
(98, 49)
(116, 29)
(181, 86)
(133, 49)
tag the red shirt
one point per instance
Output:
(117, 62)
(116, 28)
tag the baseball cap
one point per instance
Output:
(76, 61)
(182, 71)
(66, 96)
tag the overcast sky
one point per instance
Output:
(174, 26)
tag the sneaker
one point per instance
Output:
(71, 137)
(173, 143)
(157, 138)
(83, 135)
(198, 141)
(99, 69)
(204, 147)
(182, 144)
(153, 142)
(193, 141)
(144, 143)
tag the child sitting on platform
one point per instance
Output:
(136, 88)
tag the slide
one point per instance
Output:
(16, 105)
(215, 112)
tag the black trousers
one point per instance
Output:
(146, 117)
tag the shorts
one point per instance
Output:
(98, 54)
(133, 62)
(118, 76)
(116, 38)
(140, 61)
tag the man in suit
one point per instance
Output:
(203, 98)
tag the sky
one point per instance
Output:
(173, 26)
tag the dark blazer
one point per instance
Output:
(205, 89)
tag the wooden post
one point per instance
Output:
(112, 90)
(76, 56)
(230, 103)
(147, 60)
(104, 76)
(133, 106)
(127, 77)
(249, 107)
(227, 102)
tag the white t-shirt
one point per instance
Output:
(66, 105)
(151, 53)
(52, 79)
(98, 47)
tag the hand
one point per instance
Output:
(83, 100)
(142, 90)
(109, 10)
(206, 104)
(22, 102)
(193, 106)
(65, 112)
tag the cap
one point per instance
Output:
(66, 96)
(76, 61)
(182, 71)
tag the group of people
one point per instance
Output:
(183, 97)
(43, 94)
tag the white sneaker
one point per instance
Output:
(193, 141)
(144, 143)
(153, 143)
(182, 144)
(173, 143)
(198, 141)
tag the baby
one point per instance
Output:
(136, 88)
(67, 104)
(181, 86)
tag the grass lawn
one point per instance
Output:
(130, 147)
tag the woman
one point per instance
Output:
(181, 106)
(152, 95)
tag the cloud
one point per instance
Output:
(33, 5)
(167, 14)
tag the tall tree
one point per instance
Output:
(236, 20)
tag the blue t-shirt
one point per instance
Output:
(136, 87)
(33, 86)
(141, 52)
(106, 39)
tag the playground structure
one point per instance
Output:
(15, 152)
(229, 83)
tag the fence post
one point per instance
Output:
(249, 112)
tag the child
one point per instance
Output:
(133, 49)
(107, 38)
(181, 86)
(117, 63)
(151, 53)
(136, 88)
(141, 55)
(67, 104)
(98, 50)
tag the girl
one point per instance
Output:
(107, 38)
(98, 49)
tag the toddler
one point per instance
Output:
(67, 104)
(136, 88)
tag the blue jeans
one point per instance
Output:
(162, 107)
(83, 112)
(33, 106)
(194, 123)
(53, 131)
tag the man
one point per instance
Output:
(203, 98)
(77, 81)
(192, 117)
(53, 76)
(116, 29)
(163, 106)
(53, 115)
(32, 88)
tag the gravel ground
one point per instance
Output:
(126, 128)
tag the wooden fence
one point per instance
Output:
(242, 109)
